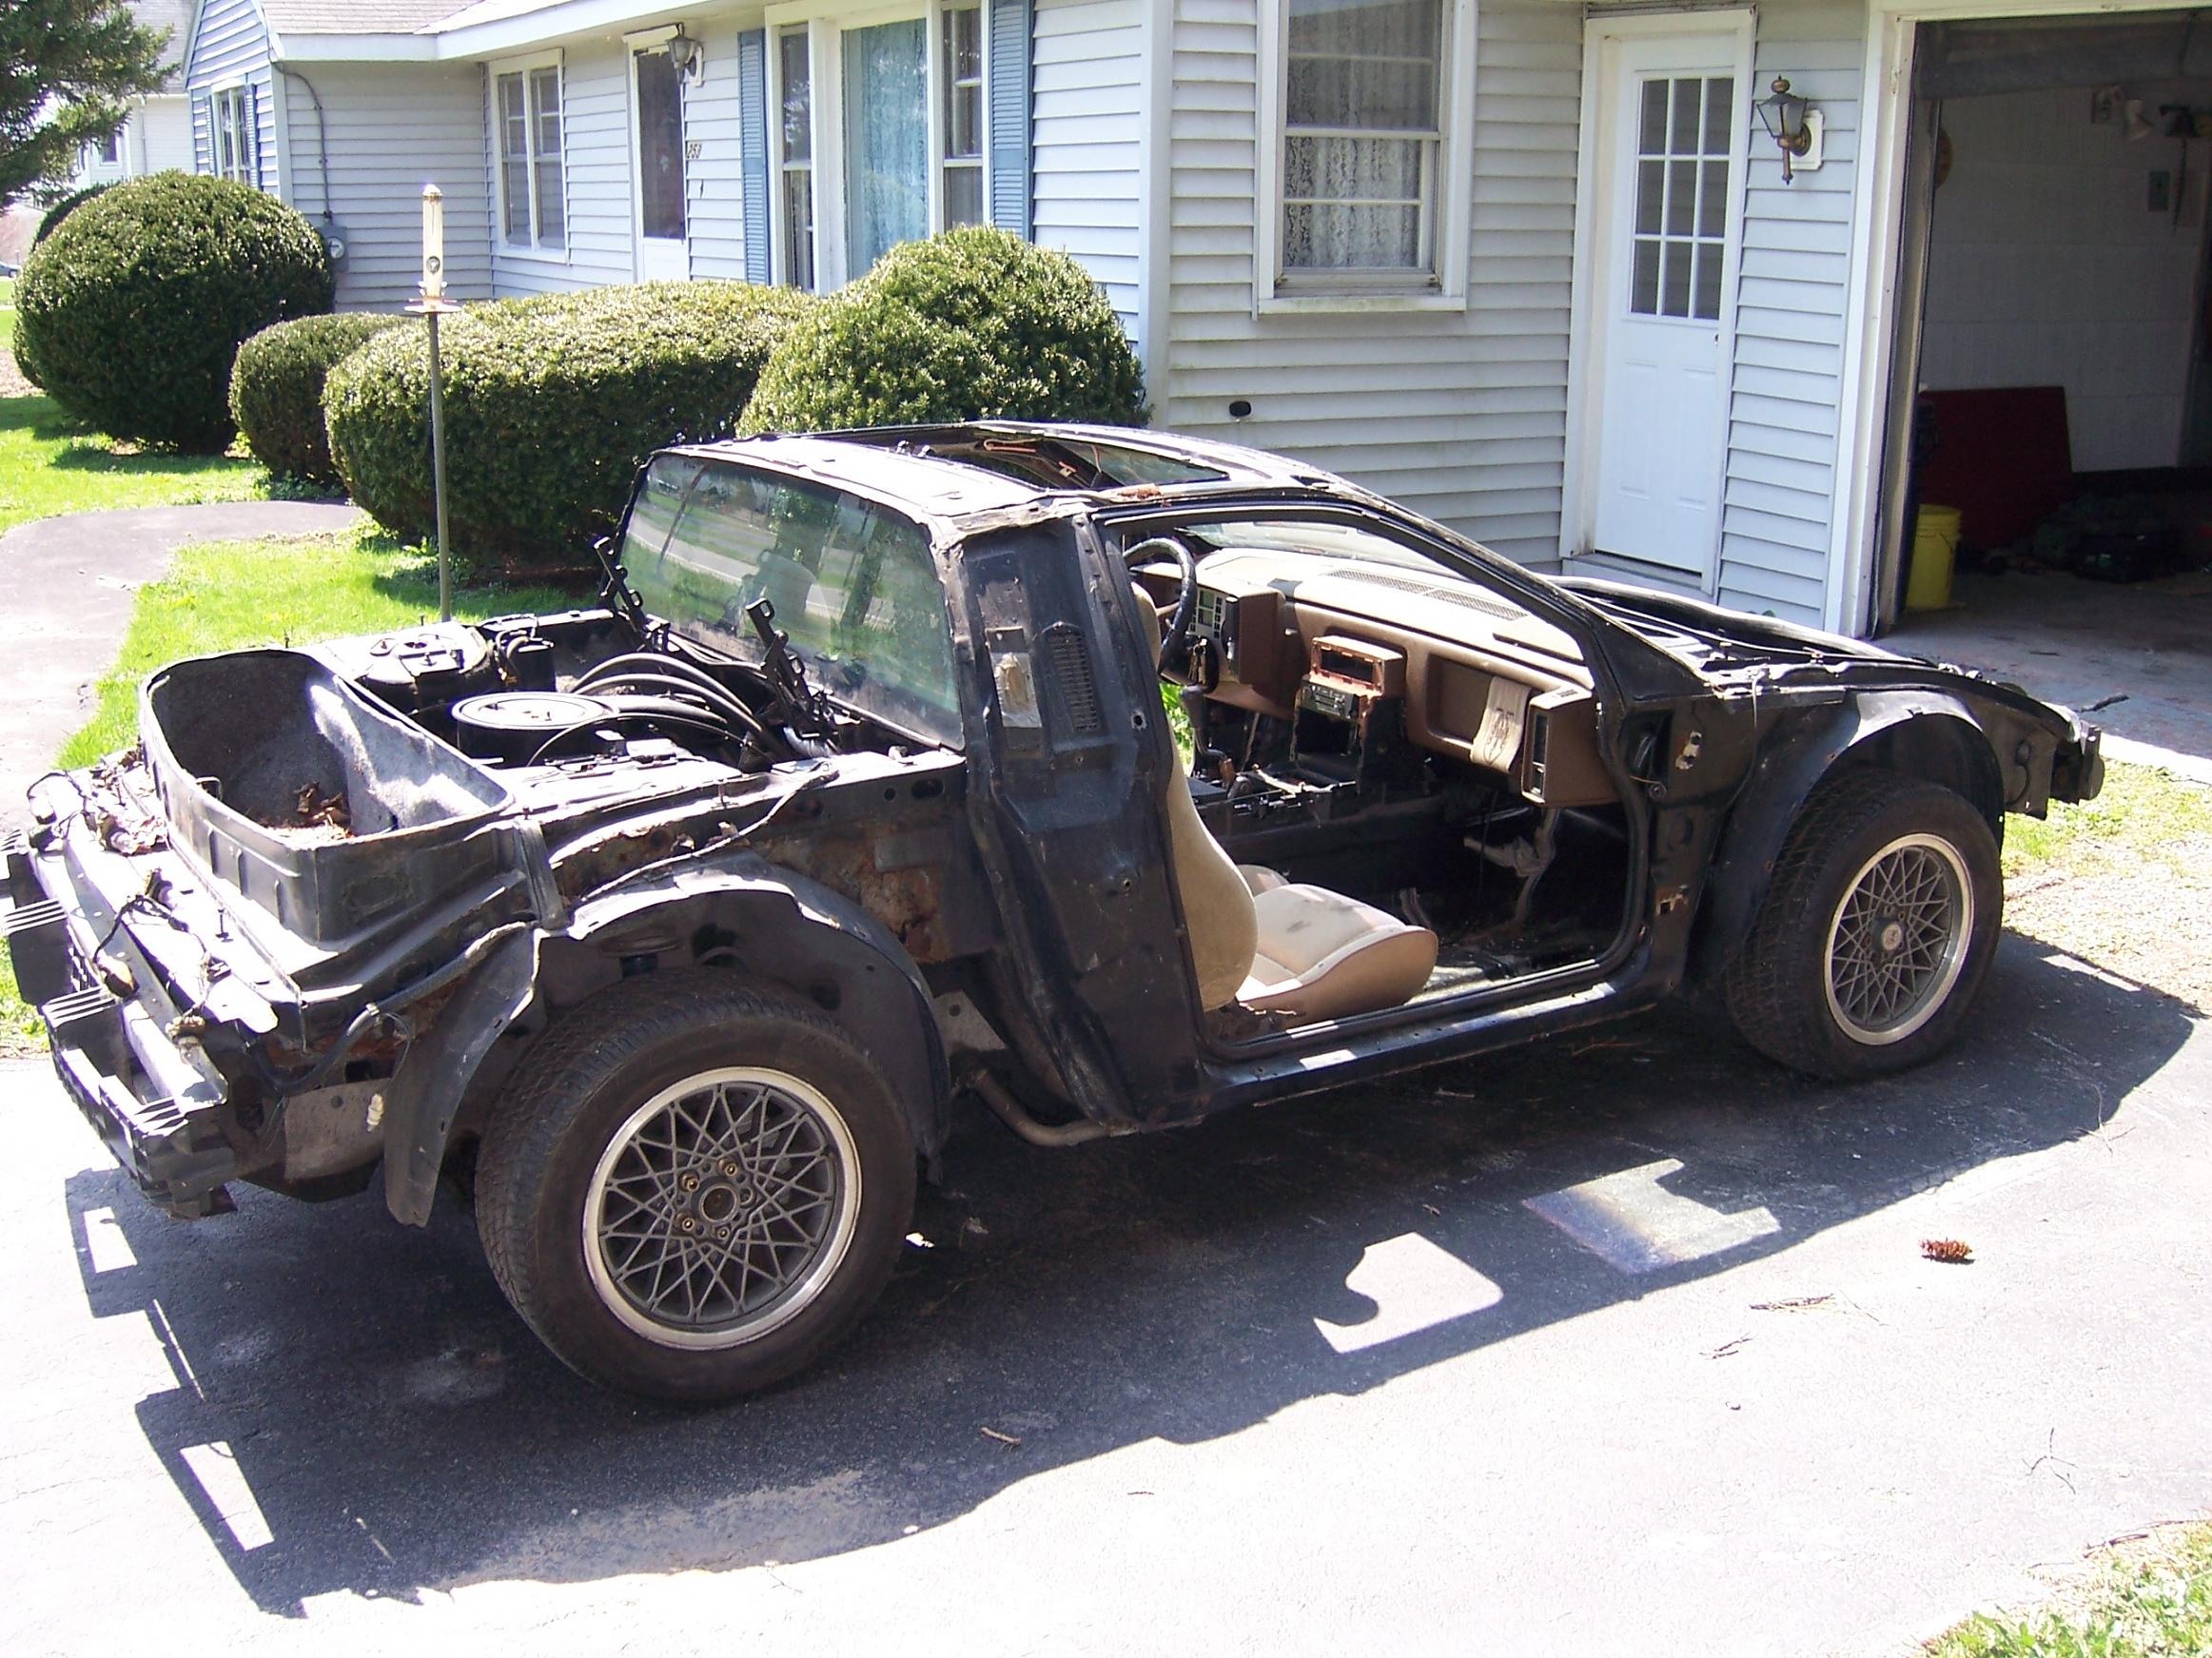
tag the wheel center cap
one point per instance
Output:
(719, 1203)
(1893, 935)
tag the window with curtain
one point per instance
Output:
(533, 200)
(1363, 126)
(907, 143)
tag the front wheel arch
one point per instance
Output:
(1918, 736)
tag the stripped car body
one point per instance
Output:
(322, 919)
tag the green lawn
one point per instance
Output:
(50, 466)
(231, 595)
(2158, 1604)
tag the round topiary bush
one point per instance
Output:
(62, 208)
(971, 323)
(551, 404)
(276, 390)
(133, 309)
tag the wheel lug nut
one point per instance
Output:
(690, 1182)
(686, 1223)
(721, 1232)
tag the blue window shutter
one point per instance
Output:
(752, 148)
(253, 132)
(1010, 33)
(203, 133)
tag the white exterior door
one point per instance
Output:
(658, 166)
(1670, 161)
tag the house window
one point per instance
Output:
(797, 195)
(882, 133)
(962, 77)
(533, 191)
(1685, 124)
(1371, 105)
(234, 135)
(109, 149)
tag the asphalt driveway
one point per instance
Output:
(1624, 1345)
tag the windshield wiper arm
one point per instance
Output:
(796, 704)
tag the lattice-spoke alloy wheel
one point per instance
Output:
(721, 1208)
(1899, 938)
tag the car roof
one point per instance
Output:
(898, 463)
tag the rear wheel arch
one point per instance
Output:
(761, 926)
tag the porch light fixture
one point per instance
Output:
(1795, 126)
(688, 56)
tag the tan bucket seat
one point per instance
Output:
(1293, 949)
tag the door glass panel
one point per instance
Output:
(1679, 218)
(659, 147)
(886, 139)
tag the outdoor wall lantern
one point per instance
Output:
(688, 56)
(1795, 126)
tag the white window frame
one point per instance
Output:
(1443, 288)
(826, 27)
(526, 67)
(230, 109)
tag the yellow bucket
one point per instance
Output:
(1935, 551)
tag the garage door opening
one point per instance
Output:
(2051, 376)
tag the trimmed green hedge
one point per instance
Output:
(276, 390)
(132, 310)
(971, 323)
(551, 404)
(62, 208)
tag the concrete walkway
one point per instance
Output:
(71, 582)
(2141, 650)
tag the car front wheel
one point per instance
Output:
(691, 1187)
(1876, 932)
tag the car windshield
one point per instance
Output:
(852, 583)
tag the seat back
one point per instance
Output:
(1217, 906)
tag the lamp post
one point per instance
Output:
(430, 306)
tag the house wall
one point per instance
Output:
(1784, 421)
(385, 134)
(232, 45)
(1087, 157)
(2048, 267)
(1459, 414)
(713, 181)
(161, 135)
(595, 153)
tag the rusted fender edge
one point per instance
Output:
(798, 933)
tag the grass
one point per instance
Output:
(2153, 1606)
(2141, 813)
(233, 594)
(49, 465)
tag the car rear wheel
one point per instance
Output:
(1876, 933)
(692, 1188)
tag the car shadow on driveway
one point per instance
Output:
(358, 1411)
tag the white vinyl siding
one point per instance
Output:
(715, 215)
(1458, 414)
(1782, 421)
(231, 48)
(596, 150)
(1086, 158)
(388, 134)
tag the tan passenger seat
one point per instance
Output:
(1301, 951)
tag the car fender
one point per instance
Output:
(1923, 731)
(792, 932)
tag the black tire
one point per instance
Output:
(556, 1187)
(1812, 985)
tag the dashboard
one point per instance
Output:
(1360, 654)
